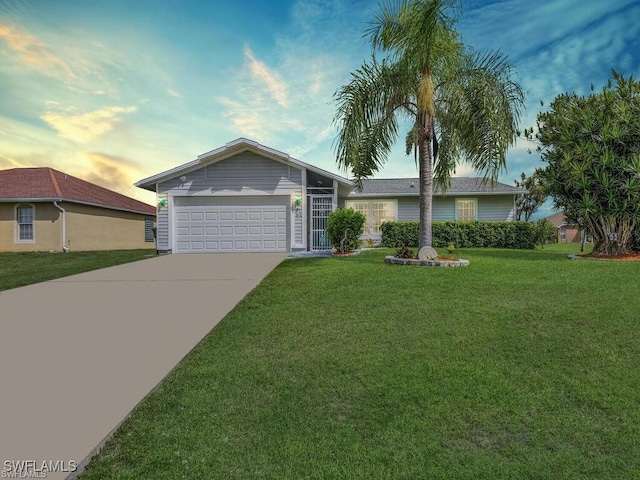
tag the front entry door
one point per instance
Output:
(321, 207)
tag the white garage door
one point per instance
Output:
(230, 224)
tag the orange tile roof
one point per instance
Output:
(44, 183)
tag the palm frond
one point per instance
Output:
(367, 116)
(481, 103)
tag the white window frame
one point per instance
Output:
(475, 209)
(369, 217)
(17, 238)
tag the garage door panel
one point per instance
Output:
(197, 246)
(231, 224)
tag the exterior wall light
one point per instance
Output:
(297, 204)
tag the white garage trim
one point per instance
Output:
(213, 224)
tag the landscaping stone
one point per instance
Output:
(427, 253)
(426, 263)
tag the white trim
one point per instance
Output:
(305, 207)
(170, 222)
(292, 217)
(16, 225)
(79, 202)
(335, 195)
(466, 199)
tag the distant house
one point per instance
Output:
(42, 209)
(567, 232)
(246, 197)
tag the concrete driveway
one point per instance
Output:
(78, 353)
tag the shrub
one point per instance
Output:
(545, 232)
(404, 252)
(344, 228)
(519, 235)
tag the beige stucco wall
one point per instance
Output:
(88, 228)
(93, 228)
(48, 229)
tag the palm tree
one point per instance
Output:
(463, 105)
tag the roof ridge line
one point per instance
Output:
(55, 182)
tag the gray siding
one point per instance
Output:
(297, 224)
(496, 208)
(244, 174)
(490, 208)
(409, 209)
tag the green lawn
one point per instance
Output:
(19, 269)
(522, 365)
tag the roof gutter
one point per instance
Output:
(64, 226)
(71, 200)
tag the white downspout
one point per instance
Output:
(64, 226)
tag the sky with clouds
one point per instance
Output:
(116, 91)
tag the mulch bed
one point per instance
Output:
(629, 257)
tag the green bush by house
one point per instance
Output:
(520, 235)
(344, 228)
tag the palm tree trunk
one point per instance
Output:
(425, 165)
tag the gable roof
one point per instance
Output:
(48, 184)
(410, 187)
(230, 149)
(559, 220)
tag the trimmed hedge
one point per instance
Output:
(519, 235)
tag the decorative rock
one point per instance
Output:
(426, 263)
(427, 253)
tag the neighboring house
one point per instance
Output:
(567, 232)
(42, 209)
(245, 197)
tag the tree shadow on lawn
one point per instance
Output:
(513, 255)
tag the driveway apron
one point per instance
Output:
(78, 353)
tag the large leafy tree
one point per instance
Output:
(592, 147)
(462, 105)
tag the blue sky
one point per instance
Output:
(116, 91)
